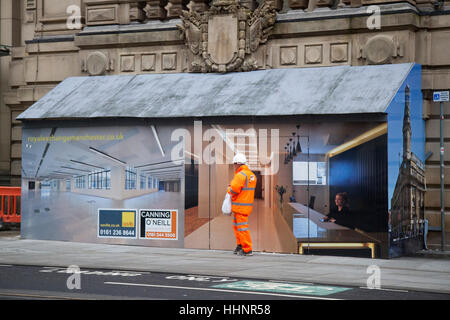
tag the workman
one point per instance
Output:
(242, 191)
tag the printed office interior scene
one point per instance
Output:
(300, 169)
(70, 173)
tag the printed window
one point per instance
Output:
(80, 182)
(150, 182)
(142, 181)
(130, 178)
(316, 174)
(100, 180)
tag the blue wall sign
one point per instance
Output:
(117, 223)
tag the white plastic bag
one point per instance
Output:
(226, 206)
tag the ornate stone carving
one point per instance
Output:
(30, 4)
(102, 14)
(339, 52)
(313, 54)
(155, 9)
(169, 61)
(298, 4)
(379, 49)
(127, 63)
(30, 16)
(249, 4)
(288, 55)
(148, 62)
(30, 12)
(96, 63)
(199, 5)
(137, 12)
(175, 7)
(223, 38)
(324, 3)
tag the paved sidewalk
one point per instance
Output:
(410, 273)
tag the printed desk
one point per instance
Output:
(329, 235)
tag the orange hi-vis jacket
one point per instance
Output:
(242, 191)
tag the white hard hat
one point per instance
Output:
(239, 158)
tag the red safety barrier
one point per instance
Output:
(10, 205)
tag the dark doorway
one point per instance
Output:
(258, 190)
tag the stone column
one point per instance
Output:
(5, 113)
(10, 130)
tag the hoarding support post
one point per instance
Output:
(441, 137)
(441, 97)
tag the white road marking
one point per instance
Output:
(293, 281)
(26, 295)
(95, 272)
(218, 290)
(191, 277)
(393, 290)
(5, 265)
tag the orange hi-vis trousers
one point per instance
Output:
(240, 227)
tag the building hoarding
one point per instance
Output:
(173, 174)
(165, 184)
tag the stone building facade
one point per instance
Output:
(51, 40)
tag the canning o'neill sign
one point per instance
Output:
(158, 224)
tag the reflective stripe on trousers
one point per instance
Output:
(241, 231)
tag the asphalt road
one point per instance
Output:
(183, 296)
(40, 282)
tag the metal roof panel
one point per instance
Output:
(293, 91)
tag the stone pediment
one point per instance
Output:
(224, 38)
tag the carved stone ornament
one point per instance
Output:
(223, 38)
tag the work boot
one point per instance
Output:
(238, 249)
(243, 253)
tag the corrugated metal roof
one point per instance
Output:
(293, 91)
